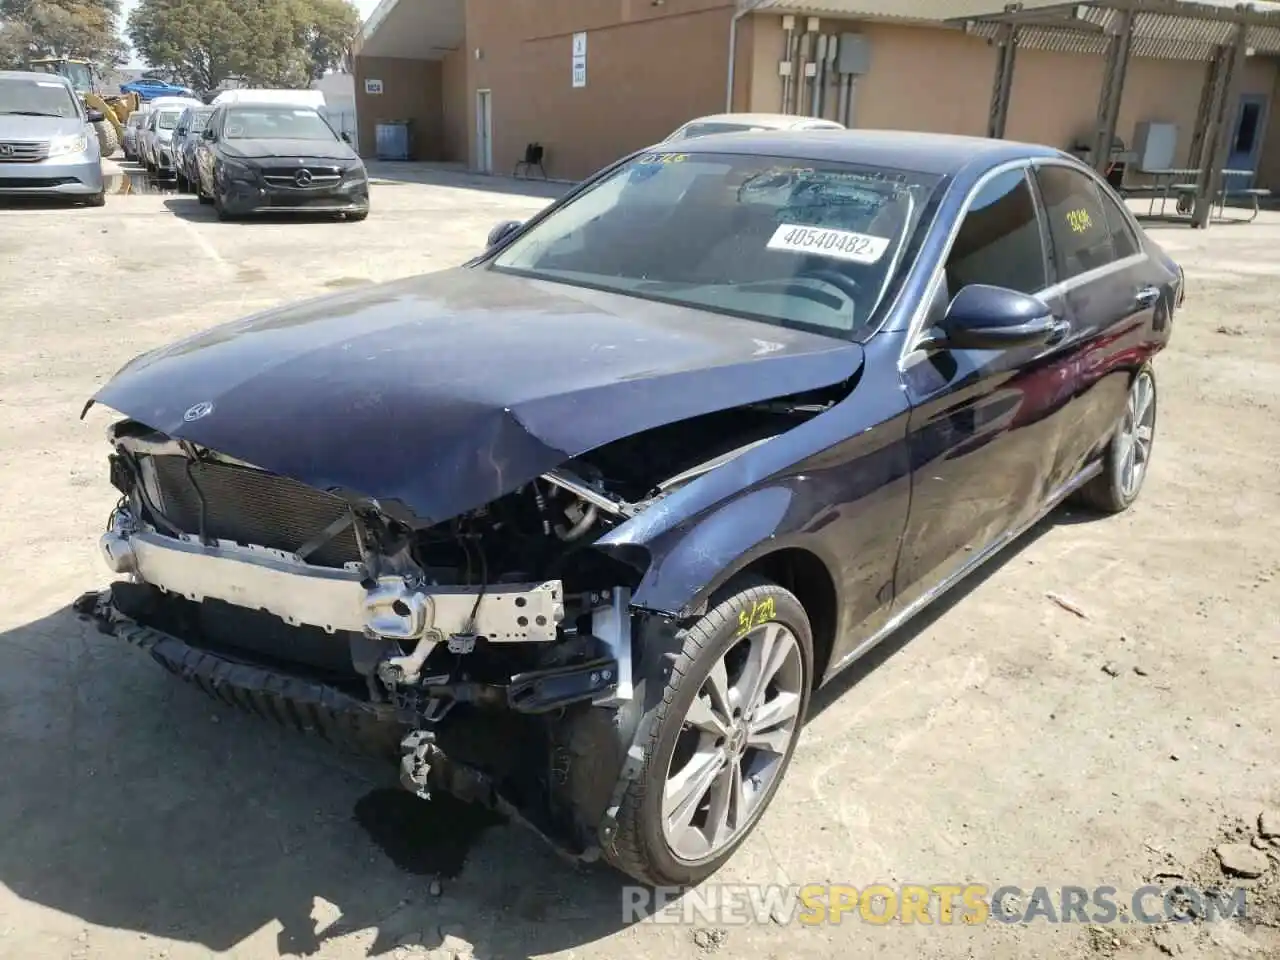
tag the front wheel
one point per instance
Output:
(721, 738)
(1124, 464)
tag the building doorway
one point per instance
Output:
(1246, 138)
(484, 131)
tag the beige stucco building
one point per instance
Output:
(591, 80)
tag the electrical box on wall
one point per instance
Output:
(1155, 144)
(853, 54)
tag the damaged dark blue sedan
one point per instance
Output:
(575, 529)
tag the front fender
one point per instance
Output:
(688, 561)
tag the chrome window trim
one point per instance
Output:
(915, 330)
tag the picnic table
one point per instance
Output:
(1180, 183)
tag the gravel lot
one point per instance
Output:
(1007, 739)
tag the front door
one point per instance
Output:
(1246, 140)
(985, 424)
(484, 131)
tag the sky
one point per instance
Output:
(364, 6)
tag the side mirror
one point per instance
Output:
(346, 137)
(982, 317)
(502, 231)
(208, 134)
(94, 116)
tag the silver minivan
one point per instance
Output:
(48, 146)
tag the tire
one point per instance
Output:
(183, 185)
(1116, 488)
(98, 199)
(357, 217)
(108, 142)
(640, 847)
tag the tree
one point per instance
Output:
(83, 29)
(280, 43)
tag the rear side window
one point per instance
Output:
(1122, 236)
(1078, 222)
(999, 242)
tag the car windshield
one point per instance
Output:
(198, 121)
(40, 97)
(799, 243)
(277, 123)
(692, 130)
(168, 119)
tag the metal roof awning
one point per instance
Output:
(1161, 29)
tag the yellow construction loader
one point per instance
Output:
(114, 108)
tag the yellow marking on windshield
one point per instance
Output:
(663, 158)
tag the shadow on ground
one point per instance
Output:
(134, 802)
(188, 207)
(387, 173)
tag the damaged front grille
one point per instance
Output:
(252, 507)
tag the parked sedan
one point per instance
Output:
(749, 122)
(132, 128)
(157, 140)
(264, 157)
(151, 87)
(186, 138)
(585, 521)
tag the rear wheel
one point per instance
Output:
(1124, 465)
(721, 738)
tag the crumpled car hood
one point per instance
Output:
(443, 392)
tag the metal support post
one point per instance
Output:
(1006, 57)
(1117, 65)
(1209, 182)
(1209, 94)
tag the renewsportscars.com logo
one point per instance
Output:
(938, 903)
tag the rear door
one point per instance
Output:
(985, 424)
(1114, 292)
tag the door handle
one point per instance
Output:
(1147, 296)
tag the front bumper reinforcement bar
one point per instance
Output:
(375, 729)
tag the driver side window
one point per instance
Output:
(999, 243)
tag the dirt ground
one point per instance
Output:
(1115, 738)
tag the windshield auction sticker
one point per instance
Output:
(837, 244)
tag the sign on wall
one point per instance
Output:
(579, 59)
(372, 86)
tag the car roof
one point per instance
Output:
(931, 153)
(779, 120)
(34, 75)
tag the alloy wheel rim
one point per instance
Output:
(1136, 435)
(733, 742)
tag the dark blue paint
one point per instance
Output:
(443, 392)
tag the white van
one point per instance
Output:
(294, 98)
